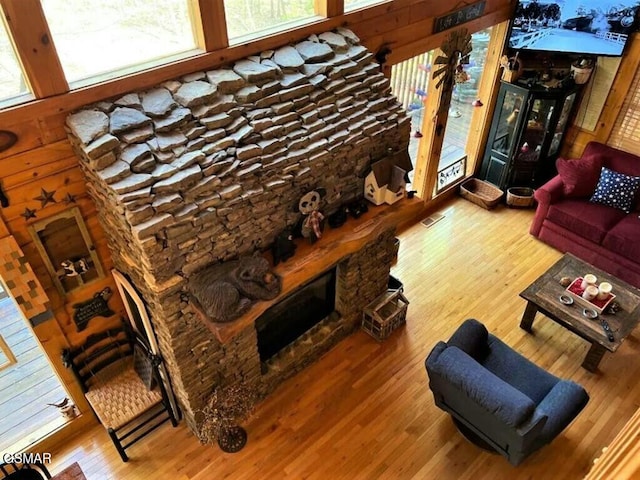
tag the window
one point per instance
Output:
(452, 165)
(409, 84)
(94, 37)
(29, 388)
(625, 134)
(248, 17)
(12, 82)
(355, 4)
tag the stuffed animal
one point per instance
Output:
(357, 208)
(313, 222)
(338, 218)
(283, 248)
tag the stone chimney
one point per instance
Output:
(210, 166)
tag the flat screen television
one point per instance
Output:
(598, 27)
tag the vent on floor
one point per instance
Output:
(436, 217)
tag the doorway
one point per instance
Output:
(28, 383)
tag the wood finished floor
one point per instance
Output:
(365, 411)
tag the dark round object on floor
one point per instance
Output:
(233, 439)
(472, 436)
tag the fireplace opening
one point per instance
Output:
(289, 319)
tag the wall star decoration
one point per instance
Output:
(28, 213)
(69, 199)
(46, 197)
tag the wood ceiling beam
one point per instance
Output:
(34, 47)
(209, 24)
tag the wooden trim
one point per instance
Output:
(209, 24)
(11, 358)
(415, 45)
(385, 17)
(328, 8)
(487, 92)
(34, 46)
(621, 459)
(434, 121)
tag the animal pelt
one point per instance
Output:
(226, 291)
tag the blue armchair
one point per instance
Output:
(498, 397)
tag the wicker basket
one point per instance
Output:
(481, 193)
(381, 317)
(521, 197)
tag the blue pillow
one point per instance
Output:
(616, 190)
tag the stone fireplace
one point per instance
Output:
(210, 166)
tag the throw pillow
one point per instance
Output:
(579, 177)
(616, 190)
(143, 367)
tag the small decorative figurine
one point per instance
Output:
(339, 217)
(283, 247)
(565, 281)
(357, 208)
(313, 223)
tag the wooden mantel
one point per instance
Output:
(311, 260)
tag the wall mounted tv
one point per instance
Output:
(598, 27)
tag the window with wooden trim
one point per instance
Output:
(350, 5)
(94, 37)
(626, 130)
(12, 80)
(253, 18)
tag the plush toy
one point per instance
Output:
(283, 247)
(357, 208)
(313, 222)
(338, 218)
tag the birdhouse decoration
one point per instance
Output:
(387, 180)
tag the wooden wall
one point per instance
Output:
(42, 158)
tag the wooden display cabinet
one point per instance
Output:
(527, 130)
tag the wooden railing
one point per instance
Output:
(528, 38)
(613, 37)
(409, 80)
(621, 459)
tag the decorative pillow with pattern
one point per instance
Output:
(616, 190)
(143, 367)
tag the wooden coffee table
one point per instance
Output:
(543, 296)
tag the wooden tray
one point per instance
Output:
(575, 291)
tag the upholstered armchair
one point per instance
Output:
(497, 398)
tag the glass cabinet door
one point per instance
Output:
(558, 133)
(510, 109)
(535, 129)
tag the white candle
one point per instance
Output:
(589, 279)
(604, 290)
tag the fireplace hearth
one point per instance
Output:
(286, 321)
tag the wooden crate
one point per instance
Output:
(381, 317)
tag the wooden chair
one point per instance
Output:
(24, 471)
(120, 379)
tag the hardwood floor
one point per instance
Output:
(365, 410)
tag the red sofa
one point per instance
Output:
(605, 237)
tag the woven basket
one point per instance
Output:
(481, 193)
(521, 197)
